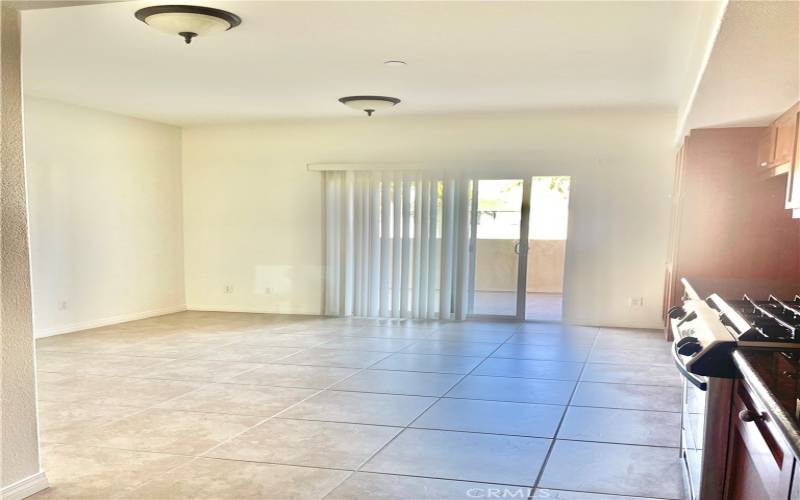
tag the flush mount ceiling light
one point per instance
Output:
(188, 21)
(369, 103)
(395, 63)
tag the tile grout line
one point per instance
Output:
(163, 473)
(558, 427)
(407, 426)
(365, 461)
(277, 415)
(202, 455)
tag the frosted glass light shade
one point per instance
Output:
(369, 103)
(178, 22)
(188, 21)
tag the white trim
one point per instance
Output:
(253, 310)
(112, 320)
(25, 487)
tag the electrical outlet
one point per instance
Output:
(636, 301)
(228, 288)
(62, 305)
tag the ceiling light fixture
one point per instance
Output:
(369, 103)
(188, 21)
(395, 63)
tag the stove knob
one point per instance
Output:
(750, 416)
(689, 346)
(676, 312)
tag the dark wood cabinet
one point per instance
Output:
(729, 227)
(760, 463)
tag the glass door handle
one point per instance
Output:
(517, 246)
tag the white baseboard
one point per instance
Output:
(25, 487)
(256, 310)
(113, 320)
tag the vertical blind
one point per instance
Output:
(397, 244)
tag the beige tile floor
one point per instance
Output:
(248, 406)
(538, 306)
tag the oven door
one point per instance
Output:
(692, 431)
(705, 421)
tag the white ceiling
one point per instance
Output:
(294, 59)
(753, 74)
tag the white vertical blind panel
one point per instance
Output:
(433, 256)
(386, 200)
(457, 227)
(424, 248)
(365, 246)
(405, 271)
(397, 213)
(332, 294)
(348, 223)
(374, 244)
(337, 245)
(417, 247)
(358, 258)
(330, 266)
(446, 282)
(363, 186)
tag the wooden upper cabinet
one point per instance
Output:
(766, 147)
(777, 144)
(793, 183)
(785, 136)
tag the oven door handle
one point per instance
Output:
(691, 377)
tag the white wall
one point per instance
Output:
(20, 471)
(253, 212)
(105, 216)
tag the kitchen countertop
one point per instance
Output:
(775, 380)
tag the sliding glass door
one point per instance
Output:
(499, 216)
(518, 247)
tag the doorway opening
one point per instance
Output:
(519, 248)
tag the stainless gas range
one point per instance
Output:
(706, 332)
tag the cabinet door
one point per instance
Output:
(785, 135)
(793, 184)
(766, 147)
(760, 465)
